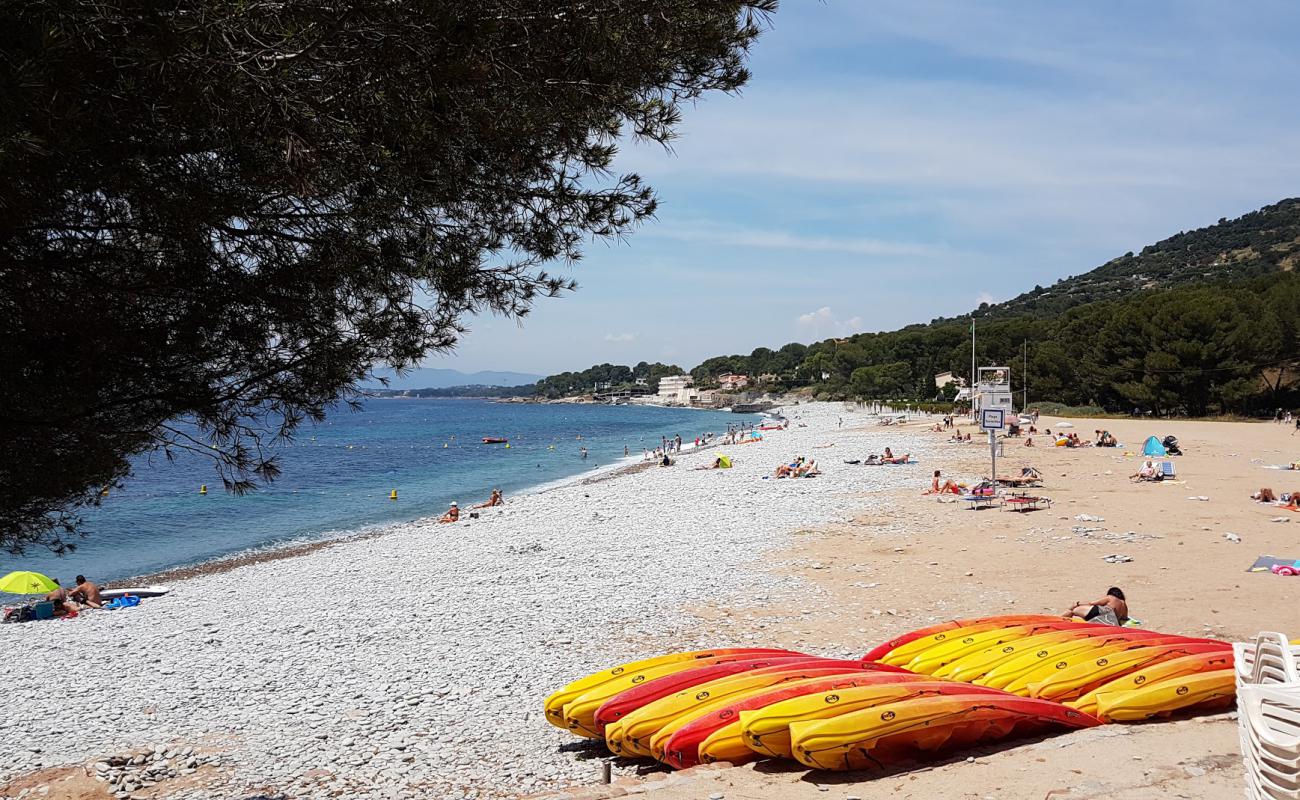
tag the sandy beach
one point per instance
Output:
(415, 663)
(920, 559)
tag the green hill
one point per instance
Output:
(1255, 244)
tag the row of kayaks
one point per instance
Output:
(941, 688)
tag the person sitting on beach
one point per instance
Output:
(1029, 441)
(1147, 472)
(665, 461)
(58, 595)
(452, 515)
(948, 486)
(967, 439)
(495, 500)
(1113, 602)
(87, 593)
(1294, 503)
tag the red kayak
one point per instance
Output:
(494, 440)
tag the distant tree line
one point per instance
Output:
(615, 376)
(1230, 347)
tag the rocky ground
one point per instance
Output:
(415, 663)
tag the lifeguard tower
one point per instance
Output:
(993, 390)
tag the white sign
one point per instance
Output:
(992, 419)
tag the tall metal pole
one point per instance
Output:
(1024, 405)
(972, 366)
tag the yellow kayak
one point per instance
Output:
(767, 730)
(633, 734)
(1081, 678)
(580, 712)
(1031, 666)
(556, 702)
(904, 653)
(1174, 668)
(1173, 694)
(974, 666)
(934, 659)
(873, 737)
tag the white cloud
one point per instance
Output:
(984, 297)
(823, 323)
(783, 240)
(620, 337)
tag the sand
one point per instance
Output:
(924, 560)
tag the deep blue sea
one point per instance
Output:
(336, 478)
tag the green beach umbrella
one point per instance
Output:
(26, 583)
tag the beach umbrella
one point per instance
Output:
(26, 583)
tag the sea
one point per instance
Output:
(337, 478)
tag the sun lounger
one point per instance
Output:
(1023, 503)
(1167, 470)
(978, 501)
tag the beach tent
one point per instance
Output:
(724, 462)
(1153, 447)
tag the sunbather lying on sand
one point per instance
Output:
(1113, 601)
(1294, 502)
(948, 486)
(890, 458)
(806, 470)
(1264, 495)
(495, 500)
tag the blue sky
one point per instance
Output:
(891, 162)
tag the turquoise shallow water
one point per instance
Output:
(337, 476)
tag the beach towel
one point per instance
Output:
(1266, 563)
(1153, 447)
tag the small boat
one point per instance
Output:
(494, 440)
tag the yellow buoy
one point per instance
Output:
(507, 445)
(392, 495)
(203, 488)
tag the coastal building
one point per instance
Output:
(732, 381)
(676, 389)
(767, 378)
(706, 397)
(944, 378)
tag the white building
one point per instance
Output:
(676, 389)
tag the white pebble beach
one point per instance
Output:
(416, 662)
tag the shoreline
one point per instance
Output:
(437, 642)
(627, 465)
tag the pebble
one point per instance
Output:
(235, 663)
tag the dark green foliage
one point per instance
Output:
(229, 212)
(1256, 244)
(1202, 322)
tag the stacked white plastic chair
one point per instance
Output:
(1268, 705)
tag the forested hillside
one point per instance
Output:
(1202, 322)
(1256, 244)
